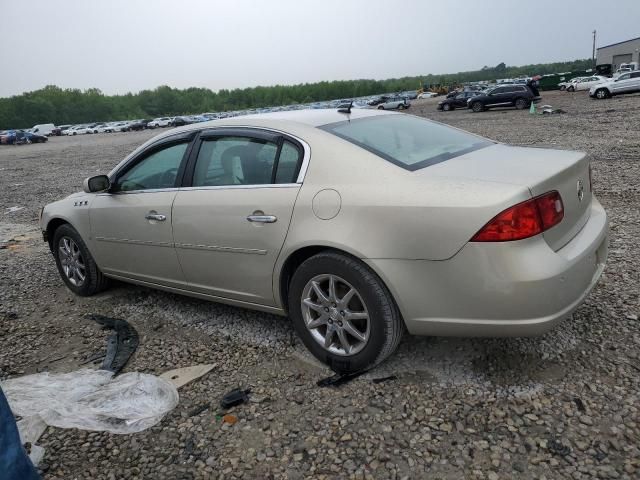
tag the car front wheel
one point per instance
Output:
(75, 264)
(601, 93)
(571, 89)
(476, 107)
(343, 313)
(446, 107)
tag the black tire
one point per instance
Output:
(446, 107)
(380, 107)
(602, 93)
(477, 106)
(521, 103)
(94, 280)
(385, 322)
(571, 89)
(563, 88)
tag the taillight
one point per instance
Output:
(523, 220)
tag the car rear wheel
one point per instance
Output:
(521, 103)
(476, 107)
(602, 93)
(75, 264)
(446, 107)
(343, 313)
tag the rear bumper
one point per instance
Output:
(520, 288)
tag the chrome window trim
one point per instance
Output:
(210, 187)
(241, 187)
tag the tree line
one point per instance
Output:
(53, 104)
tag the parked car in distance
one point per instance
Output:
(394, 103)
(518, 96)
(138, 124)
(509, 242)
(83, 130)
(45, 129)
(584, 83)
(626, 83)
(563, 85)
(70, 131)
(20, 137)
(159, 122)
(103, 128)
(180, 121)
(457, 101)
(427, 95)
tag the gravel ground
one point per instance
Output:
(564, 405)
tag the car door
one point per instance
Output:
(231, 221)
(131, 224)
(634, 80)
(498, 97)
(621, 83)
(460, 100)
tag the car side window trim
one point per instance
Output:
(273, 136)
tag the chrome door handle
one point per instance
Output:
(155, 216)
(262, 218)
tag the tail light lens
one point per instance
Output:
(523, 220)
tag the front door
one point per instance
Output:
(230, 225)
(131, 225)
(498, 97)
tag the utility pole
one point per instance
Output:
(593, 52)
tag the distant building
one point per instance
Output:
(618, 53)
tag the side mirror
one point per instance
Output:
(99, 183)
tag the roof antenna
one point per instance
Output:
(346, 107)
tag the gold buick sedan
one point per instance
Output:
(358, 224)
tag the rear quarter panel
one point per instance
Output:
(389, 212)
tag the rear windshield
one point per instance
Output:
(407, 141)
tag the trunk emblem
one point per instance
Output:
(580, 188)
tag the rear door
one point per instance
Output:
(231, 221)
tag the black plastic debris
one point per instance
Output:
(557, 448)
(235, 397)
(579, 404)
(120, 345)
(339, 379)
(199, 409)
(384, 379)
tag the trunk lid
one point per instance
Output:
(539, 169)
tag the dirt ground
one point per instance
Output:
(565, 405)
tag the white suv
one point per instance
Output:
(626, 83)
(160, 122)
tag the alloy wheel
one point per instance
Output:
(335, 314)
(72, 262)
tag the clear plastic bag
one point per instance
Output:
(93, 399)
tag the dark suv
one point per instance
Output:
(519, 96)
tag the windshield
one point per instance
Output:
(407, 141)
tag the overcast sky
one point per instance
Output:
(120, 46)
